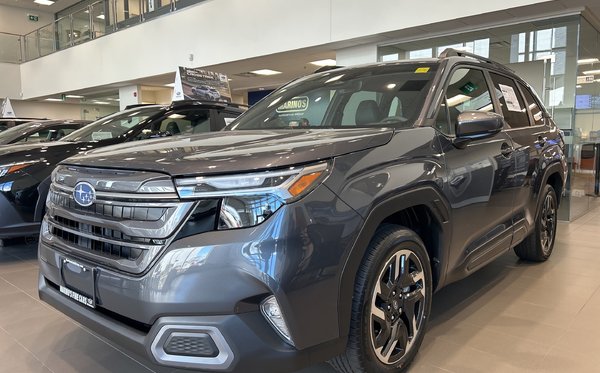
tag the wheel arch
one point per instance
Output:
(553, 177)
(423, 210)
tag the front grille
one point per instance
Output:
(135, 215)
(91, 240)
(112, 210)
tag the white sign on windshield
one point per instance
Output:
(98, 136)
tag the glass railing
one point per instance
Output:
(10, 48)
(87, 23)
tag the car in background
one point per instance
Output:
(25, 168)
(205, 92)
(41, 131)
(6, 123)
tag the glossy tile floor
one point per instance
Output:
(509, 317)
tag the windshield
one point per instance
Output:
(387, 96)
(114, 125)
(17, 131)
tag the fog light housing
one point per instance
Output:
(272, 312)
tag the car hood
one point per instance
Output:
(18, 153)
(233, 151)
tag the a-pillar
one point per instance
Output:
(130, 95)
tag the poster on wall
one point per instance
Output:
(7, 109)
(198, 84)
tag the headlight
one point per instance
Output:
(248, 199)
(14, 167)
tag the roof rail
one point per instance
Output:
(326, 68)
(450, 52)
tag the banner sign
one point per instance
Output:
(201, 85)
(7, 109)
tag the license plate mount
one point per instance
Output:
(78, 282)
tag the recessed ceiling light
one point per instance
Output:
(101, 102)
(265, 72)
(52, 99)
(170, 85)
(101, 16)
(591, 72)
(73, 96)
(587, 61)
(578, 86)
(44, 2)
(327, 62)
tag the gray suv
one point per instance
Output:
(315, 227)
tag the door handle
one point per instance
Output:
(506, 150)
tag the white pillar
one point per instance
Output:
(130, 95)
(356, 55)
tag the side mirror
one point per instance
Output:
(478, 125)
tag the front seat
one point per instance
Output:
(173, 128)
(367, 112)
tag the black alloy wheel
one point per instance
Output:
(392, 302)
(538, 246)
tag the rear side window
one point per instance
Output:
(513, 107)
(534, 108)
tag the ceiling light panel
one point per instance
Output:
(265, 72)
(44, 2)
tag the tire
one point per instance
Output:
(381, 338)
(538, 246)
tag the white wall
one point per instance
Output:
(230, 30)
(11, 80)
(14, 20)
(57, 110)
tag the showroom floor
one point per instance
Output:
(509, 317)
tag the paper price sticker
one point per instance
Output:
(422, 70)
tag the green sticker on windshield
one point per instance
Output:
(468, 88)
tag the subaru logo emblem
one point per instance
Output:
(84, 194)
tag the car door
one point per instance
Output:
(477, 177)
(531, 136)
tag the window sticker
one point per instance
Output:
(468, 88)
(510, 97)
(422, 70)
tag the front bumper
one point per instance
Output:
(245, 338)
(12, 223)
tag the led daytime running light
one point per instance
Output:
(287, 184)
(14, 167)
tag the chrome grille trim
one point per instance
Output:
(130, 196)
(54, 224)
(122, 230)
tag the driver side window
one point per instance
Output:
(467, 91)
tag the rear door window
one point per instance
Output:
(512, 104)
(536, 111)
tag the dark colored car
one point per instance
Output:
(41, 131)
(25, 169)
(269, 246)
(6, 123)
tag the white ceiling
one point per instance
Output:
(296, 63)
(30, 5)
